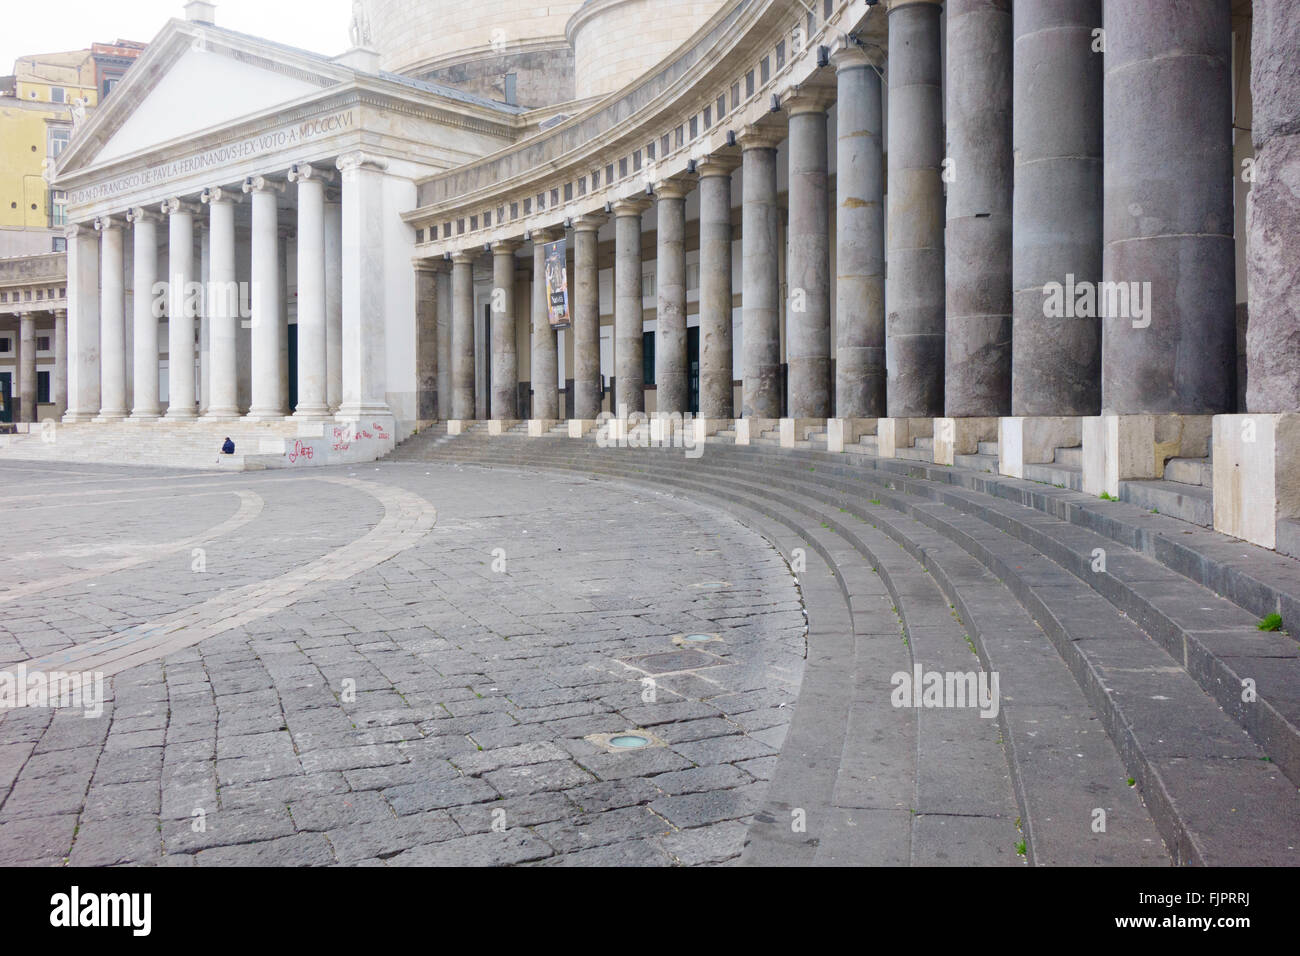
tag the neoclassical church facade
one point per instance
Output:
(898, 224)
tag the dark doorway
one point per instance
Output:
(693, 368)
(487, 365)
(6, 397)
(293, 366)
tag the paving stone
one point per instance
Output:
(556, 775)
(483, 849)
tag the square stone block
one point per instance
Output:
(537, 427)
(895, 433)
(1034, 440)
(747, 429)
(847, 431)
(581, 426)
(499, 426)
(1256, 475)
(455, 426)
(1135, 447)
(961, 436)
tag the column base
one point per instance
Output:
(1257, 479)
(1033, 440)
(1120, 448)
(264, 415)
(78, 418)
(221, 415)
(311, 413)
(143, 417)
(537, 427)
(498, 426)
(181, 415)
(848, 431)
(961, 436)
(747, 429)
(455, 426)
(895, 433)
(348, 412)
(578, 427)
(112, 416)
(795, 429)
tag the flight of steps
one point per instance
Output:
(1131, 672)
(984, 459)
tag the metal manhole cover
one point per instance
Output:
(673, 661)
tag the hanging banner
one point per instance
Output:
(557, 285)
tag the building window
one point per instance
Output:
(43, 388)
(650, 151)
(568, 192)
(460, 227)
(446, 230)
(648, 357)
(722, 106)
(6, 345)
(555, 198)
(679, 136)
(765, 69)
(595, 179)
(647, 285)
(609, 174)
(749, 84)
(622, 168)
(528, 207)
(735, 95)
(59, 244)
(636, 161)
(42, 343)
(514, 210)
(473, 223)
(541, 201)
(665, 144)
(695, 126)
(419, 235)
(57, 140)
(510, 85)
(58, 95)
(582, 185)
(780, 54)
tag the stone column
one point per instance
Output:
(445, 321)
(181, 310)
(672, 394)
(267, 317)
(1168, 209)
(426, 338)
(363, 336)
(629, 315)
(223, 306)
(462, 335)
(914, 294)
(760, 297)
(716, 376)
(112, 321)
(59, 380)
(977, 244)
(859, 238)
(313, 345)
(27, 366)
(1273, 211)
(808, 265)
(145, 338)
(205, 327)
(505, 358)
(586, 317)
(83, 345)
(546, 397)
(334, 298)
(1056, 206)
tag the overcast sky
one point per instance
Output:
(50, 26)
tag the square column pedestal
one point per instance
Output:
(581, 426)
(848, 431)
(499, 426)
(1034, 440)
(537, 427)
(747, 429)
(796, 429)
(961, 436)
(1257, 479)
(1135, 447)
(457, 426)
(895, 433)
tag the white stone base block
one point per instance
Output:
(796, 429)
(455, 426)
(1033, 441)
(1135, 447)
(581, 426)
(961, 436)
(537, 427)
(1256, 475)
(895, 433)
(847, 431)
(499, 426)
(747, 429)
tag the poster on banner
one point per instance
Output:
(557, 285)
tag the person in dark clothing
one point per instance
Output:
(228, 447)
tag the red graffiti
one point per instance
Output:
(379, 430)
(301, 451)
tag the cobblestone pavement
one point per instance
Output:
(389, 664)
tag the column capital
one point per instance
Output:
(547, 234)
(590, 222)
(760, 137)
(808, 99)
(104, 223)
(716, 165)
(465, 256)
(59, 314)
(505, 247)
(350, 162)
(216, 194)
(851, 56)
(305, 172)
(141, 214)
(630, 207)
(675, 187)
(78, 229)
(261, 184)
(174, 204)
(437, 266)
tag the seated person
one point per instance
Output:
(228, 447)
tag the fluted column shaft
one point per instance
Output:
(671, 386)
(267, 316)
(586, 318)
(462, 336)
(83, 342)
(427, 346)
(760, 277)
(629, 345)
(27, 366)
(334, 301)
(223, 307)
(716, 398)
(1168, 209)
(1056, 205)
(145, 326)
(977, 244)
(112, 322)
(808, 308)
(59, 380)
(914, 294)
(181, 311)
(505, 357)
(546, 369)
(313, 344)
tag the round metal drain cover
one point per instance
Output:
(697, 637)
(628, 741)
